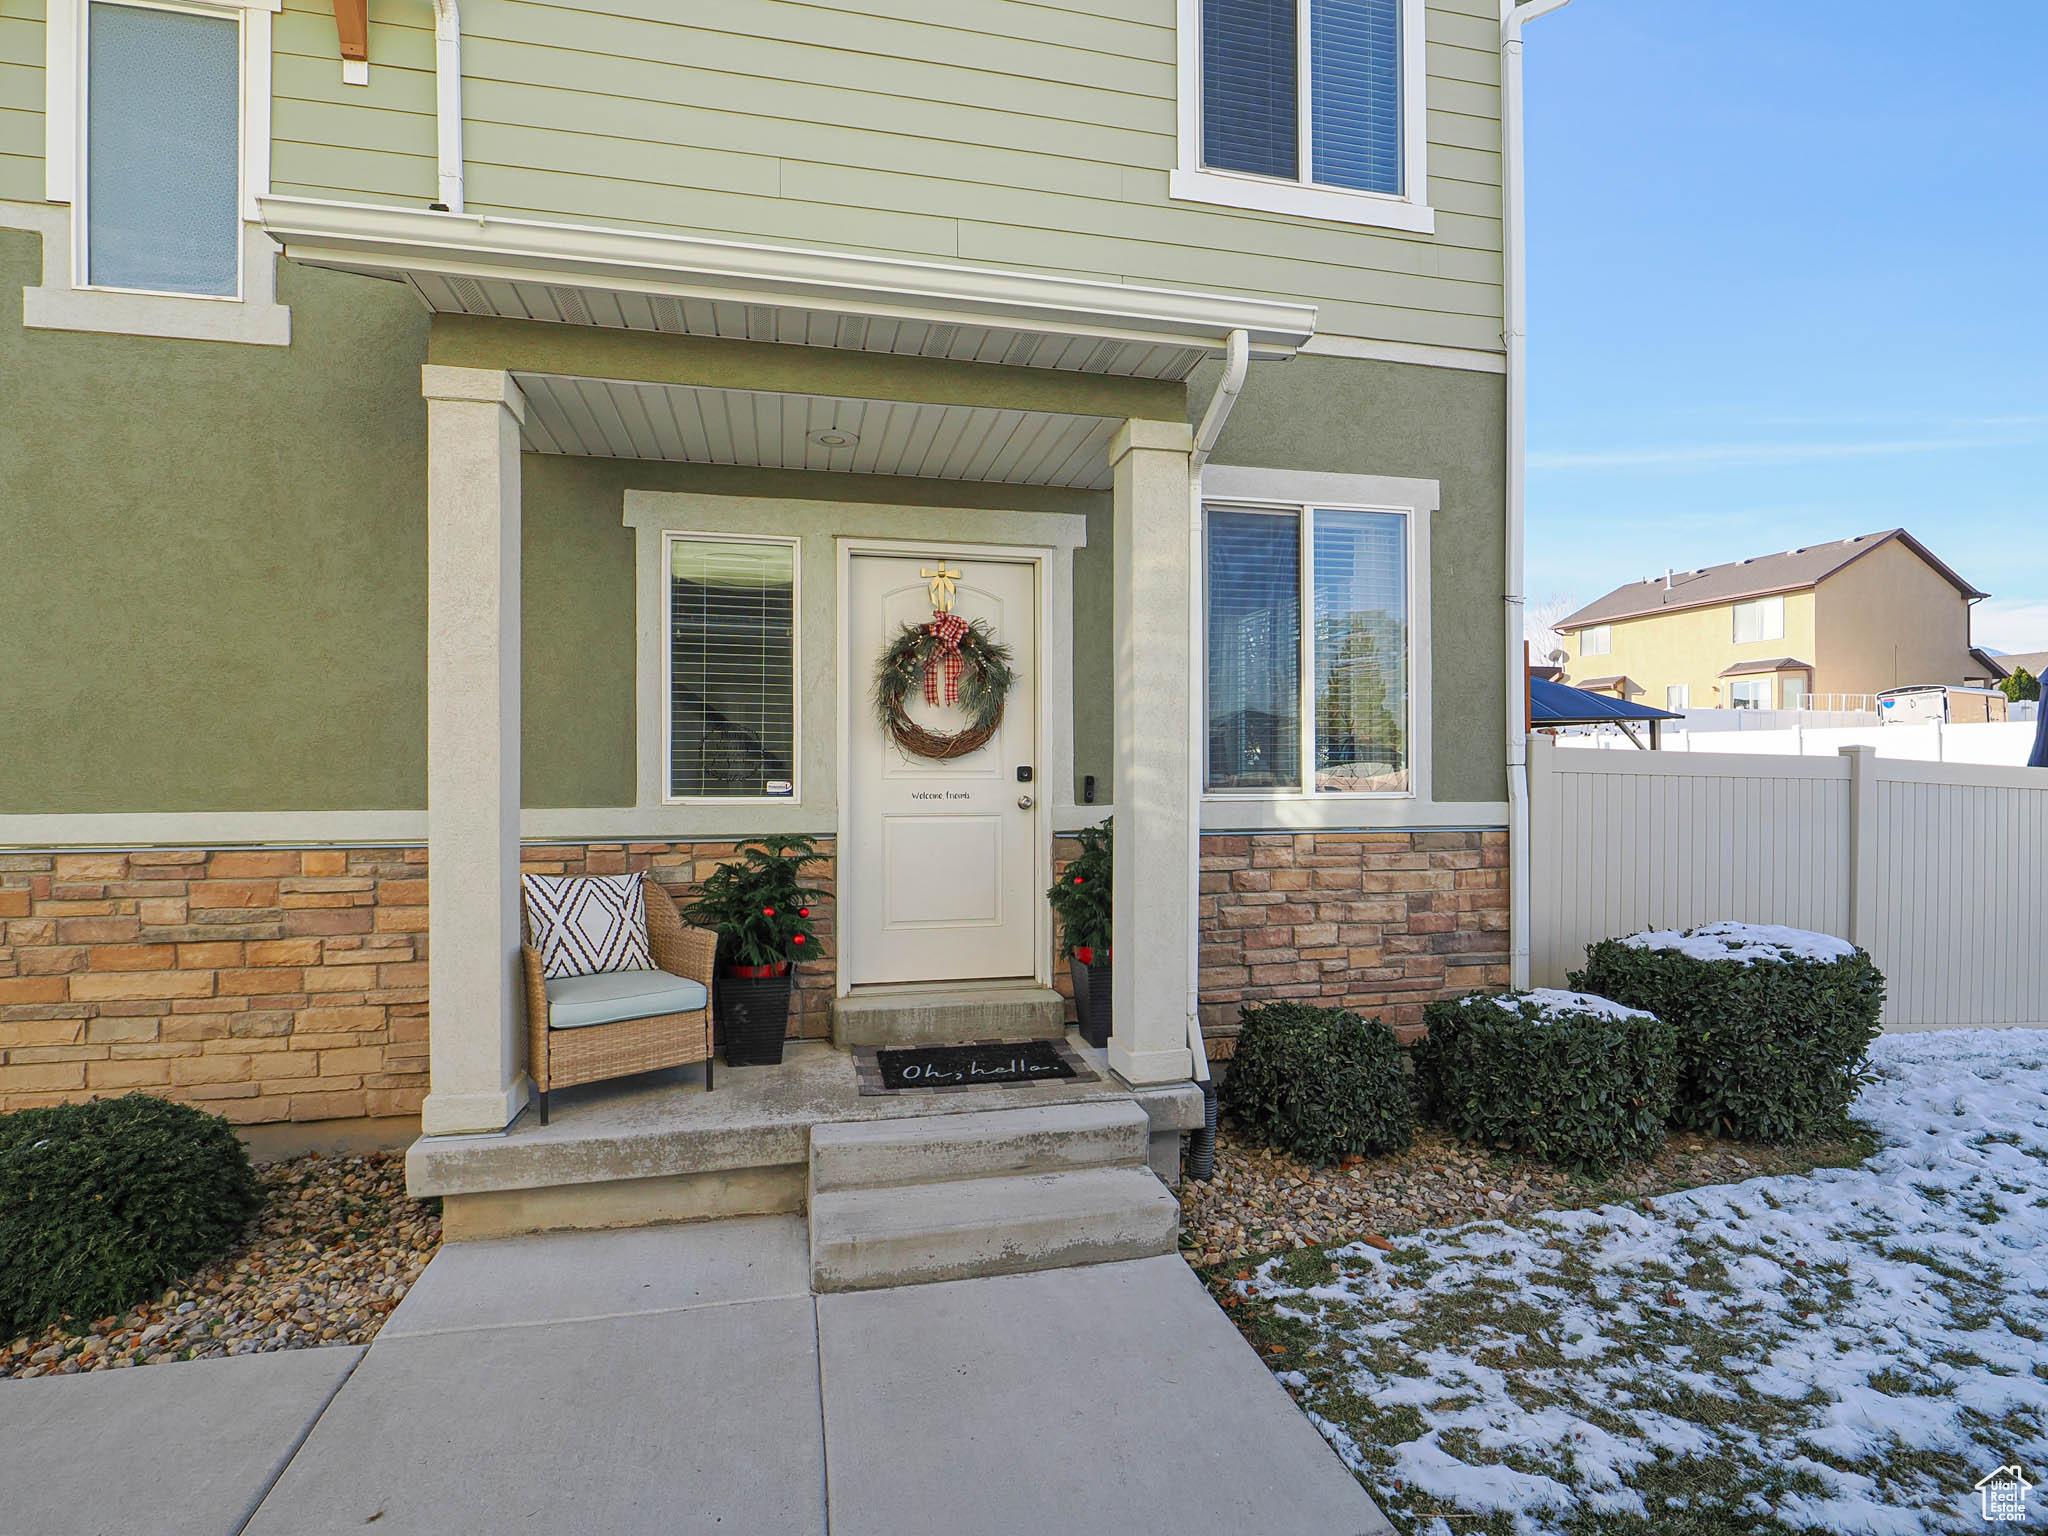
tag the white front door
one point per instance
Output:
(939, 878)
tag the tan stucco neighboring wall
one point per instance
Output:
(1887, 620)
(1691, 646)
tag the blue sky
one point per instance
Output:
(1786, 269)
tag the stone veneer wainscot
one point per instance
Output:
(263, 984)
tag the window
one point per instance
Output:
(1678, 696)
(157, 145)
(1792, 691)
(162, 150)
(1304, 106)
(731, 668)
(1308, 650)
(1751, 693)
(1761, 618)
(1597, 641)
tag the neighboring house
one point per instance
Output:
(523, 442)
(2033, 662)
(1848, 618)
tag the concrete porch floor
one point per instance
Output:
(684, 1379)
(658, 1148)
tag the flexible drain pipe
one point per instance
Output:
(448, 102)
(1515, 332)
(1237, 354)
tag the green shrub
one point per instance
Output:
(1318, 1082)
(1774, 1024)
(1576, 1080)
(102, 1203)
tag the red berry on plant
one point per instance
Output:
(796, 938)
(767, 911)
(1077, 880)
(803, 911)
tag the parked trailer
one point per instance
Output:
(1923, 702)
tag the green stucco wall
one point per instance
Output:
(213, 587)
(1348, 416)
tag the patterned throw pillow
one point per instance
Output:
(586, 923)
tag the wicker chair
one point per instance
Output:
(562, 1056)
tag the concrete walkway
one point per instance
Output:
(683, 1379)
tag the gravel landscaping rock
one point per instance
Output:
(1263, 1201)
(337, 1246)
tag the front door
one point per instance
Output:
(939, 876)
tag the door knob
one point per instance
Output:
(1025, 802)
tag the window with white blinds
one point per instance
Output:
(1304, 90)
(731, 669)
(1348, 731)
(1254, 627)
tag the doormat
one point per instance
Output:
(976, 1064)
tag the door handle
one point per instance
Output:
(1025, 802)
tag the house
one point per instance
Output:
(1800, 629)
(445, 439)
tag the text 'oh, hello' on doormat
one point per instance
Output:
(979, 1064)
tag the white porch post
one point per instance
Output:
(473, 417)
(1155, 920)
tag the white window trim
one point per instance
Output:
(1768, 698)
(1756, 603)
(1307, 491)
(1604, 630)
(65, 301)
(671, 537)
(1191, 181)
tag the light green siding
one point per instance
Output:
(1025, 135)
(21, 100)
(213, 591)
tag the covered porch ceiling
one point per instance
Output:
(469, 264)
(759, 429)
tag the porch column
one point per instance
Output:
(473, 417)
(1155, 916)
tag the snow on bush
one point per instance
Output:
(1577, 1080)
(1773, 1023)
(1844, 1351)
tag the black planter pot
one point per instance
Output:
(755, 1013)
(1077, 972)
(1101, 1018)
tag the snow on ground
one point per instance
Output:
(1746, 942)
(1845, 1351)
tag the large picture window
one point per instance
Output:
(732, 652)
(1308, 650)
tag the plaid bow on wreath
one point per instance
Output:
(948, 629)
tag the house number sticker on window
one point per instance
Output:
(958, 664)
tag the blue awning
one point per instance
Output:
(1558, 704)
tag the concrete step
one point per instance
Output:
(920, 1017)
(1048, 1138)
(862, 1239)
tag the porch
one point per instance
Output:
(994, 393)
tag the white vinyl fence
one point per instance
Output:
(1940, 870)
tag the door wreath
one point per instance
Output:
(956, 663)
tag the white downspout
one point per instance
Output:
(1237, 356)
(448, 102)
(1515, 332)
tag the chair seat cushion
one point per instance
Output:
(606, 997)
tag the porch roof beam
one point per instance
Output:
(529, 269)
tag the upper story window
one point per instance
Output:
(731, 668)
(162, 150)
(1312, 107)
(157, 136)
(1596, 641)
(1761, 618)
(1309, 657)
